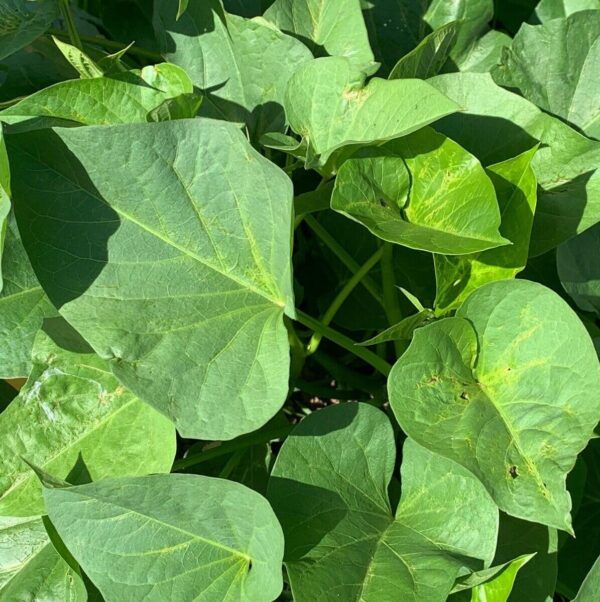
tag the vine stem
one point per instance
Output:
(345, 342)
(339, 299)
(65, 10)
(334, 246)
(111, 45)
(390, 292)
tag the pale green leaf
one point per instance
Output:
(4, 199)
(172, 260)
(327, 28)
(30, 566)
(73, 412)
(568, 85)
(590, 588)
(496, 125)
(330, 109)
(344, 542)
(579, 269)
(423, 191)
(485, 53)
(184, 106)
(22, 21)
(79, 60)
(23, 307)
(516, 189)
(242, 65)
(508, 389)
(122, 98)
(556, 9)
(171, 537)
(499, 588)
(427, 59)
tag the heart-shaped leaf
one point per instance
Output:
(342, 539)
(171, 536)
(508, 389)
(181, 276)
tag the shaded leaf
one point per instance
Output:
(329, 109)
(242, 65)
(327, 28)
(342, 539)
(73, 408)
(185, 298)
(229, 547)
(590, 588)
(568, 85)
(422, 191)
(516, 188)
(404, 330)
(497, 393)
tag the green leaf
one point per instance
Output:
(184, 106)
(497, 125)
(404, 330)
(490, 585)
(579, 269)
(327, 28)
(473, 16)
(568, 85)
(242, 65)
(485, 53)
(590, 588)
(556, 9)
(329, 109)
(163, 535)
(4, 198)
(516, 188)
(22, 21)
(423, 191)
(30, 566)
(72, 411)
(79, 60)
(428, 58)
(185, 298)
(342, 539)
(508, 389)
(122, 98)
(537, 579)
(23, 307)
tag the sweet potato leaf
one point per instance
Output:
(511, 400)
(157, 541)
(72, 412)
(342, 538)
(590, 588)
(555, 9)
(423, 191)
(181, 276)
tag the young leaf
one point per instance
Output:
(590, 588)
(23, 307)
(22, 21)
(579, 269)
(516, 189)
(71, 411)
(182, 276)
(342, 539)
(122, 98)
(507, 389)
(328, 29)
(328, 107)
(161, 536)
(427, 59)
(80, 61)
(568, 85)
(30, 566)
(423, 191)
(242, 65)
(496, 125)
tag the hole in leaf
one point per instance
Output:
(513, 471)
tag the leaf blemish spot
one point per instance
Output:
(513, 471)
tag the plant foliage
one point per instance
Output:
(299, 300)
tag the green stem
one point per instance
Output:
(391, 303)
(67, 15)
(231, 464)
(334, 246)
(345, 342)
(235, 445)
(347, 289)
(111, 45)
